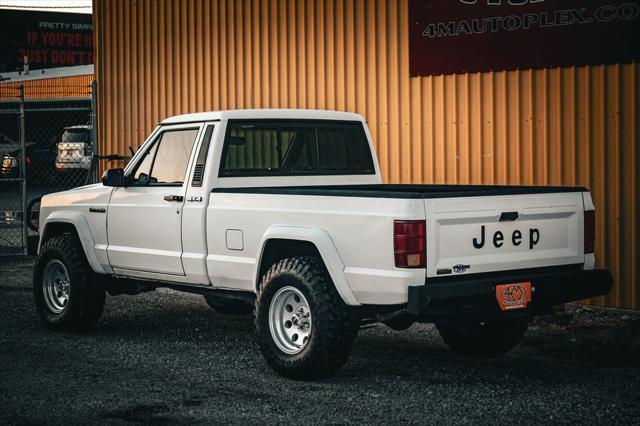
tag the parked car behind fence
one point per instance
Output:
(74, 150)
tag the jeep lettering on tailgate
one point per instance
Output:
(516, 238)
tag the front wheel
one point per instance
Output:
(483, 338)
(305, 330)
(67, 294)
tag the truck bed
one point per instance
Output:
(403, 191)
(476, 229)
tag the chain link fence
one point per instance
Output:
(47, 144)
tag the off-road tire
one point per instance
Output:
(86, 295)
(334, 325)
(482, 338)
(230, 307)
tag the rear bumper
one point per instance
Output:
(474, 295)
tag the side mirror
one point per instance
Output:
(113, 177)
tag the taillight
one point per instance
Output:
(28, 160)
(410, 243)
(589, 231)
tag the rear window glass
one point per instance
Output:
(79, 135)
(295, 147)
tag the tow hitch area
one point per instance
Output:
(527, 291)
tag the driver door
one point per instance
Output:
(144, 218)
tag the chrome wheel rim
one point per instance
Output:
(290, 320)
(55, 286)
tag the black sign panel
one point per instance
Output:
(46, 39)
(456, 36)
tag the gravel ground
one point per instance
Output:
(165, 357)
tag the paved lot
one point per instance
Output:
(165, 357)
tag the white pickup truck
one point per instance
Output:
(283, 213)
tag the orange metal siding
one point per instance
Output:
(49, 88)
(570, 126)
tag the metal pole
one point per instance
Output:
(94, 127)
(23, 172)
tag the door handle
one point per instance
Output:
(177, 198)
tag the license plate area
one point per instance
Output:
(513, 296)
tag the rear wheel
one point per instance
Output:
(304, 329)
(66, 291)
(483, 338)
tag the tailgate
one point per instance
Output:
(497, 233)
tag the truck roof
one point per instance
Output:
(79, 126)
(240, 114)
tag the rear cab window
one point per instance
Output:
(295, 147)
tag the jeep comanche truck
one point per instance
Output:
(283, 213)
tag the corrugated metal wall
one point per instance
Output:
(49, 88)
(572, 126)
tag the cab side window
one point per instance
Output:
(165, 163)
